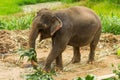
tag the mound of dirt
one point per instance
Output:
(5, 44)
(13, 40)
(109, 38)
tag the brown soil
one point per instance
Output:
(11, 69)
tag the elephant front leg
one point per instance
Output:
(55, 54)
(76, 55)
(59, 65)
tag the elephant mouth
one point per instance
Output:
(43, 34)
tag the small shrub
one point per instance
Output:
(26, 2)
(110, 24)
(31, 54)
(88, 77)
(69, 1)
(96, 0)
(117, 73)
(39, 74)
(118, 52)
(16, 23)
(114, 1)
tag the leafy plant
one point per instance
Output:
(16, 23)
(39, 74)
(118, 52)
(110, 24)
(69, 1)
(117, 73)
(114, 1)
(88, 77)
(31, 54)
(14, 6)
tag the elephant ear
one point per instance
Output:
(57, 24)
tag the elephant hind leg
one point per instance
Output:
(93, 45)
(76, 55)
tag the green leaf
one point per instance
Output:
(90, 77)
(118, 52)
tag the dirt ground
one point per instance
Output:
(11, 69)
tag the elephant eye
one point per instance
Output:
(46, 18)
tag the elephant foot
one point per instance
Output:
(75, 61)
(91, 61)
(46, 69)
(58, 68)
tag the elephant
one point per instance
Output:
(76, 26)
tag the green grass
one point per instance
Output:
(109, 15)
(16, 23)
(110, 24)
(8, 7)
(38, 73)
(105, 8)
(13, 6)
(107, 11)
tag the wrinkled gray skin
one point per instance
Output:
(75, 26)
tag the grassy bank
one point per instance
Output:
(107, 11)
(109, 14)
(14, 6)
(16, 23)
(8, 7)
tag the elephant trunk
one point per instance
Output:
(32, 37)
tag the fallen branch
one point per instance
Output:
(105, 76)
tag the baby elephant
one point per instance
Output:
(76, 26)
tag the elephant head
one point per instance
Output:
(46, 24)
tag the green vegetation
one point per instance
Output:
(110, 24)
(116, 71)
(31, 54)
(16, 23)
(118, 52)
(69, 1)
(88, 77)
(8, 7)
(38, 73)
(104, 8)
(111, 1)
(108, 11)
(14, 6)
